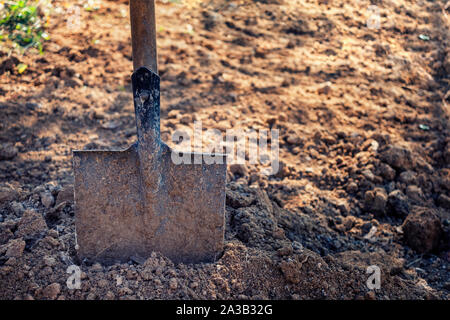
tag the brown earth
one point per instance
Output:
(364, 144)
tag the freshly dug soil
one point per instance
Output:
(364, 147)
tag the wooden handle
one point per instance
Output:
(143, 34)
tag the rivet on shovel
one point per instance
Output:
(130, 203)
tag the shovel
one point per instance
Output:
(133, 202)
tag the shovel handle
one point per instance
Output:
(143, 34)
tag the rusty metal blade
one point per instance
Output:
(137, 201)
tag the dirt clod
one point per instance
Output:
(422, 230)
(51, 291)
(375, 200)
(15, 248)
(7, 194)
(398, 157)
(7, 151)
(31, 225)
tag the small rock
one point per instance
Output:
(49, 261)
(254, 178)
(352, 187)
(31, 224)
(110, 296)
(408, 177)
(15, 248)
(7, 194)
(370, 295)
(240, 169)
(422, 230)
(285, 251)
(47, 199)
(5, 234)
(111, 124)
(53, 233)
(173, 284)
(390, 187)
(397, 157)
(39, 189)
(444, 201)
(368, 175)
(365, 228)
(325, 89)
(293, 139)
(17, 208)
(237, 199)
(7, 151)
(73, 82)
(99, 114)
(375, 200)
(51, 291)
(96, 267)
(11, 261)
(398, 203)
(278, 233)
(283, 170)
(387, 172)
(414, 193)
(65, 195)
(291, 271)
(9, 64)
(102, 283)
(173, 114)
(282, 117)
(186, 119)
(342, 206)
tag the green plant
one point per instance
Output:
(21, 25)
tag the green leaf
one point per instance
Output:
(45, 36)
(21, 67)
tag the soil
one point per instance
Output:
(364, 143)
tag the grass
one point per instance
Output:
(21, 25)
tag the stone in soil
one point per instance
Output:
(7, 151)
(422, 230)
(293, 139)
(47, 199)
